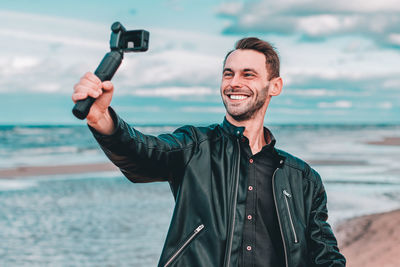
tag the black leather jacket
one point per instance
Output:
(202, 166)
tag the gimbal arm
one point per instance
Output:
(121, 41)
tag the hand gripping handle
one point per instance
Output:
(105, 71)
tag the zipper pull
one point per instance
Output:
(198, 229)
(286, 193)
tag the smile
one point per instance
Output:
(238, 97)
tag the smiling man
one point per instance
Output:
(239, 201)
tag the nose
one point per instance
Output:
(235, 82)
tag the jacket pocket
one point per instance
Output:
(185, 244)
(287, 197)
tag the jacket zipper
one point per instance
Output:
(193, 235)
(287, 195)
(228, 259)
(279, 218)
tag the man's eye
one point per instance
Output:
(248, 75)
(227, 74)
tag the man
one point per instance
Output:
(239, 200)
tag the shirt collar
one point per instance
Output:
(238, 131)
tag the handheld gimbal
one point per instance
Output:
(121, 41)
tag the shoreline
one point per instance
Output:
(29, 171)
(371, 240)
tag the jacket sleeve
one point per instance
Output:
(145, 158)
(322, 242)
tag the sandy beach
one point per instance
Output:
(387, 141)
(371, 241)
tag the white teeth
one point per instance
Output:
(237, 97)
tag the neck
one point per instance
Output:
(254, 131)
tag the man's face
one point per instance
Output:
(244, 87)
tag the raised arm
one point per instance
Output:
(147, 158)
(141, 158)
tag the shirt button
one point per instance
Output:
(251, 160)
(250, 188)
(248, 248)
(249, 217)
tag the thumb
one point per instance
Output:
(108, 86)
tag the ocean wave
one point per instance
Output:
(8, 185)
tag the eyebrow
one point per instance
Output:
(252, 70)
(228, 69)
(244, 70)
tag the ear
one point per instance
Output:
(275, 87)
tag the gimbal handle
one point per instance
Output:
(105, 71)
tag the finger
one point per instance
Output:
(89, 83)
(92, 77)
(95, 94)
(83, 95)
(108, 86)
(79, 88)
(79, 96)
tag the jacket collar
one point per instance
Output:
(236, 131)
(232, 129)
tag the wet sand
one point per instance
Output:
(372, 240)
(387, 141)
(28, 171)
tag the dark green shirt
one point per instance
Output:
(262, 244)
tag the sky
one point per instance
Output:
(340, 60)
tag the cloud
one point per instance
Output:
(319, 92)
(230, 9)
(33, 27)
(316, 20)
(46, 87)
(153, 109)
(175, 91)
(349, 93)
(385, 105)
(336, 104)
(52, 59)
(175, 67)
(27, 35)
(174, 5)
(337, 82)
(394, 38)
(292, 111)
(204, 109)
(24, 62)
(392, 83)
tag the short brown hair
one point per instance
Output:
(271, 56)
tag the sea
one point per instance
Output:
(102, 219)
